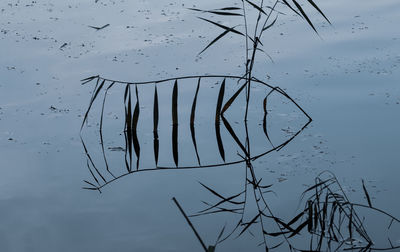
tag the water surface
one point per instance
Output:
(346, 79)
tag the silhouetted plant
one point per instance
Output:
(330, 221)
(327, 208)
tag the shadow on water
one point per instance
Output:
(329, 221)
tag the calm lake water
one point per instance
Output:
(346, 79)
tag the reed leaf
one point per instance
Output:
(90, 183)
(95, 93)
(135, 119)
(101, 129)
(226, 28)
(221, 12)
(229, 199)
(299, 228)
(259, 8)
(128, 128)
(215, 40)
(290, 7)
(89, 79)
(366, 194)
(91, 172)
(175, 122)
(233, 134)
(230, 8)
(276, 234)
(271, 24)
(89, 158)
(304, 15)
(190, 223)
(265, 121)
(319, 10)
(217, 120)
(192, 119)
(249, 224)
(232, 98)
(220, 234)
(155, 125)
(296, 218)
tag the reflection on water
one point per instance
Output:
(245, 151)
(329, 220)
(240, 150)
